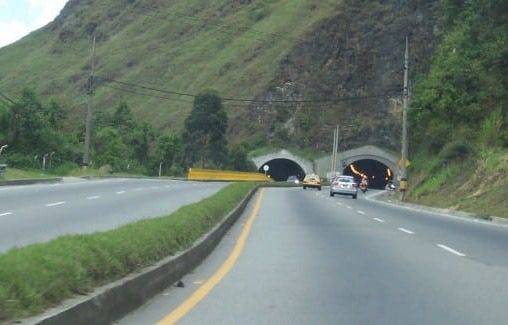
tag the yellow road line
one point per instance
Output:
(208, 286)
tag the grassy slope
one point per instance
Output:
(183, 45)
(460, 129)
(477, 185)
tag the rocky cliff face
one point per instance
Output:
(352, 67)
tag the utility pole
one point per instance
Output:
(88, 119)
(333, 167)
(404, 162)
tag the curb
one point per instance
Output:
(383, 197)
(117, 299)
(31, 181)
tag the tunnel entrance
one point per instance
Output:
(281, 169)
(378, 173)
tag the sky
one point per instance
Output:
(19, 17)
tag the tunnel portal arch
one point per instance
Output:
(378, 173)
(281, 169)
(283, 164)
(372, 161)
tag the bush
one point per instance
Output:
(18, 160)
(456, 150)
(64, 168)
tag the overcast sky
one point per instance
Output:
(20, 17)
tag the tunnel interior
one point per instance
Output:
(280, 169)
(378, 173)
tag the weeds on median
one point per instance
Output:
(39, 276)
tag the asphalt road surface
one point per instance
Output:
(37, 213)
(313, 259)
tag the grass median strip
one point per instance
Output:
(39, 276)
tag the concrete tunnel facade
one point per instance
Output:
(380, 163)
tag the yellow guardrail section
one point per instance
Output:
(224, 175)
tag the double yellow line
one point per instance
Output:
(217, 277)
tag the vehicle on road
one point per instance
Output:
(312, 180)
(293, 179)
(344, 185)
(364, 184)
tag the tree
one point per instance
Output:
(169, 147)
(123, 119)
(35, 129)
(110, 149)
(141, 140)
(205, 129)
(239, 160)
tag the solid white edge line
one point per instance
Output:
(5, 214)
(405, 230)
(378, 220)
(451, 250)
(54, 204)
(434, 213)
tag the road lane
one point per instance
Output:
(40, 213)
(483, 241)
(310, 261)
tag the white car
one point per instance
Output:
(345, 185)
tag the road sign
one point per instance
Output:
(266, 168)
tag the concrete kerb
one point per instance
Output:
(30, 181)
(115, 300)
(385, 198)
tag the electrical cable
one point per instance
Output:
(244, 100)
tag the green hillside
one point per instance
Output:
(186, 46)
(460, 116)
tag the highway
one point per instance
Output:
(38, 213)
(312, 259)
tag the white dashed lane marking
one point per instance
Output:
(360, 212)
(405, 230)
(120, 192)
(378, 220)
(93, 197)
(54, 204)
(451, 250)
(5, 214)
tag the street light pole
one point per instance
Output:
(333, 167)
(51, 159)
(403, 163)
(3, 147)
(88, 119)
(44, 161)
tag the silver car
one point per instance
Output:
(345, 185)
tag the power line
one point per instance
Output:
(244, 100)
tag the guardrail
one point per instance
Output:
(224, 175)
